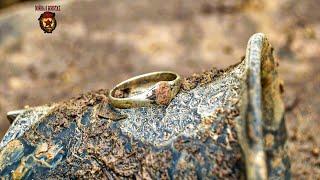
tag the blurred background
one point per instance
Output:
(99, 43)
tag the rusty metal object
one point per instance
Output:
(222, 124)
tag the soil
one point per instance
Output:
(98, 44)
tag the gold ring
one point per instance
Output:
(147, 89)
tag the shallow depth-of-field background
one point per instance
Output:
(99, 43)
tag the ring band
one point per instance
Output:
(147, 89)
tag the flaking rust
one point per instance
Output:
(223, 124)
(163, 93)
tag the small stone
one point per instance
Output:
(269, 140)
(315, 151)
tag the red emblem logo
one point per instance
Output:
(47, 22)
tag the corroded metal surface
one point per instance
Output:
(23, 122)
(222, 124)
